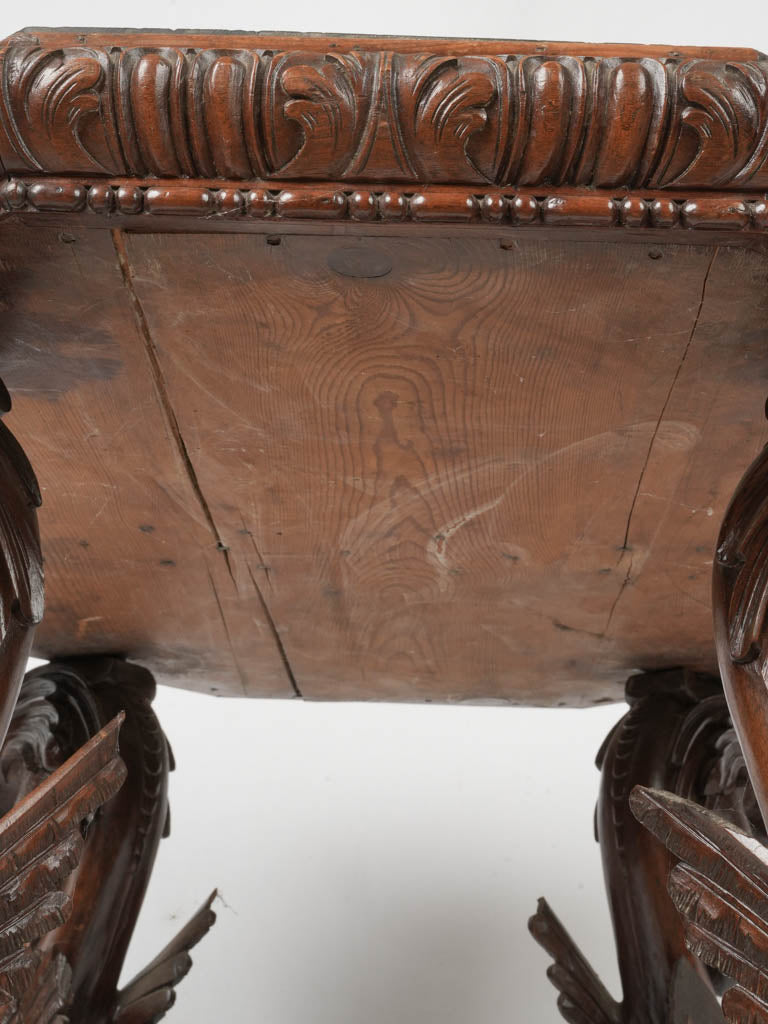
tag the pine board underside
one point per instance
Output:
(478, 473)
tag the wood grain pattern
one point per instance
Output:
(702, 425)
(125, 532)
(598, 117)
(429, 471)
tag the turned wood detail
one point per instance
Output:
(61, 705)
(677, 736)
(439, 205)
(379, 115)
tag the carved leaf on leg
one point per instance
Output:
(21, 565)
(61, 704)
(678, 736)
(151, 994)
(583, 997)
(41, 844)
(720, 887)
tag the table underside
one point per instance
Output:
(396, 468)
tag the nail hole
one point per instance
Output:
(655, 254)
(273, 240)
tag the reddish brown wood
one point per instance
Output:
(61, 707)
(357, 367)
(21, 565)
(720, 888)
(267, 106)
(41, 844)
(677, 737)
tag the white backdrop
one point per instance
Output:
(378, 863)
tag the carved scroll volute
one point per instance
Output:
(56, 110)
(740, 605)
(453, 118)
(719, 127)
(315, 113)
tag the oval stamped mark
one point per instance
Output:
(360, 261)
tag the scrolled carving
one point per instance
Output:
(448, 124)
(719, 126)
(56, 109)
(61, 706)
(315, 112)
(496, 119)
(676, 736)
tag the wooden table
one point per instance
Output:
(365, 368)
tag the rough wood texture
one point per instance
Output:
(720, 887)
(126, 531)
(388, 419)
(330, 109)
(384, 420)
(348, 422)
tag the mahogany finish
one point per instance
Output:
(384, 369)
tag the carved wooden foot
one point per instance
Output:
(676, 737)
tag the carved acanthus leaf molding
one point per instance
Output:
(381, 116)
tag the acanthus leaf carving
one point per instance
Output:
(315, 112)
(719, 132)
(449, 118)
(54, 112)
(380, 116)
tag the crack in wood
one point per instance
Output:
(275, 633)
(171, 418)
(624, 584)
(654, 435)
(625, 547)
(225, 624)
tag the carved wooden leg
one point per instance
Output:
(678, 737)
(720, 885)
(81, 822)
(60, 707)
(21, 565)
